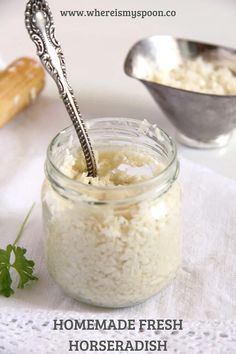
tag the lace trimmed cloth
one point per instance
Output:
(31, 331)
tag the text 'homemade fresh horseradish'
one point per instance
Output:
(113, 240)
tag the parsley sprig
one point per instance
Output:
(20, 263)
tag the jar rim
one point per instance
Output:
(153, 180)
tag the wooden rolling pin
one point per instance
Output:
(20, 84)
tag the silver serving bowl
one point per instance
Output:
(202, 120)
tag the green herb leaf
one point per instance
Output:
(21, 264)
(5, 278)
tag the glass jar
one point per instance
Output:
(113, 246)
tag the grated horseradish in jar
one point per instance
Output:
(114, 240)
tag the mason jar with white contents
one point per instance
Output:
(114, 240)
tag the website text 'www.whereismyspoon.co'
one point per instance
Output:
(134, 14)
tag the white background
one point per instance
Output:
(95, 49)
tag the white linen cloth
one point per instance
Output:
(205, 287)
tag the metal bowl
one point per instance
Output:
(202, 120)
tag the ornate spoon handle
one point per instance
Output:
(40, 25)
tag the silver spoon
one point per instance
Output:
(40, 25)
